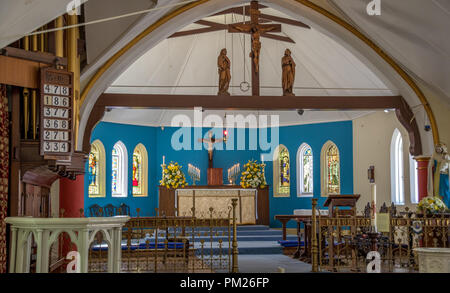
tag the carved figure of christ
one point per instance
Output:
(255, 29)
(211, 141)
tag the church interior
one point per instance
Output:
(224, 136)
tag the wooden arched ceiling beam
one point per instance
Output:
(211, 26)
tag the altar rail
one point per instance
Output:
(175, 244)
(341, 244)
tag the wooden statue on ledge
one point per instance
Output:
(288, 77)
(224, 64)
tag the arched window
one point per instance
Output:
(119, 171)
(331, 173)
(96, 170)
(281, 172)
(305, 171)
(397, 177)
(140, 171)
(414, 187)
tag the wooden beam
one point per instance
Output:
(278, 38)
(250, 102)
(20, 72)
(269, 103)
(41, 57)
(213, 26)
(196, 31)
(284, 20)
(211, 23)
(238, 10)
(233, 29)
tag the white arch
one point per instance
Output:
(54, 236)
(300, 151)
(290, 7)
(122, 189)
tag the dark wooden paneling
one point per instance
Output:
(263, 207)
(215, 176)
(166, 202)
(19, 72)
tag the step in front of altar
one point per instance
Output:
(252, 240)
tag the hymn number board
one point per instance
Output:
(56, 112)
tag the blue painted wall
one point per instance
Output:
(158, 143)
(109, 134)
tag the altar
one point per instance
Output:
(202, 200)
(252, 205)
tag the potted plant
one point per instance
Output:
(431, 205)
(173, 177)
(253, 175)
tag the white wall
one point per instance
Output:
(372, 136)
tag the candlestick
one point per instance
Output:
(164, 160)
(373, 188)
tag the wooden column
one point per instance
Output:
(59, 37)
(74, 65)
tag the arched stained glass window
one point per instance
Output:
(282, 172)
(96, 170)
(139, 179)
(305, 170)
(93, 171)
(330, 169)
(333, 172)
(137, 172)
(119, 170)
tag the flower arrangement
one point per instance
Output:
(431, 205)
(172, 176)
(253, 175)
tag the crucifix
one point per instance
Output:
(255, 28)
(211, 141)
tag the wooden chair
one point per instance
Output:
(123, 210)
(95, 211)
(110, 210)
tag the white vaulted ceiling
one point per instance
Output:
(188, 64)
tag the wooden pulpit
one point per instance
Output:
(340, 200)
(215, 176)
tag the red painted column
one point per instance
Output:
(71, 199)
(422, 176)
(71, 196)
